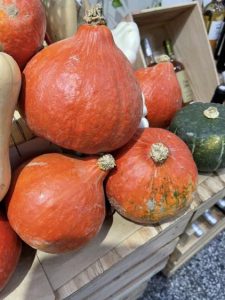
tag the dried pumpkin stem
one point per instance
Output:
(94, 15)
(106, 162)
(211, 112)
(159, 152)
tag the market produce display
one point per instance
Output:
(162, 93)
(10, 82)
(10, 249)
(87, 84)
(22, 28)
(201, 127)
(65, 198)
(154, 179)
(82, 94)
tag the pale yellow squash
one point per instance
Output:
(10, 82)
(61, 18)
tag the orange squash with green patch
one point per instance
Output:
(155, 177)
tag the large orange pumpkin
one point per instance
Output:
(10, 249)
(81, 93)
(56, 203)
(162, 93)
(154, 179)
(22, 28)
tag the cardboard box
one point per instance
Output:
(184, 25)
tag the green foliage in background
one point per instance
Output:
(116, 3)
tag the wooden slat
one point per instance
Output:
(29, 281)
(123, 277)
(62, 268)
(127, 253)
(133, 286)
(20, 132)
(207, 204)
(184, 252)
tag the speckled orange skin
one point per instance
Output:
(56, 203)
(81, 93)
(10, 249)
(146, 192)
(22, 28)
(162, 93)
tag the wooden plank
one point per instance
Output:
(62, 268)
(28, 281)
(207, 204)
(123, 277)
(137, 289)
(122, 253)
(221, 174)
(184, 252)
(160, 14)
(192, 29)
(133, 290)
(203, 177)
(20, 132)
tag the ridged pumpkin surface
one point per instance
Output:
(81, 93)
(10, 249)
(204, 136)
(148, 192)
(162, 93)
(56, 203)
(22, 28)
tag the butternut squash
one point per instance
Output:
(10, 82)
(61, 19)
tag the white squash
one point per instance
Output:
(10, 82)
(61, 18)
(127, 37)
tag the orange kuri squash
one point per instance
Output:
(154, 179)
(81, 93)
(162, 93)
(10, 249)
(56, 203)
(22, 28)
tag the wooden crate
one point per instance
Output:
(124, 255)
(184, 25)
(190, 244)
(210, 189)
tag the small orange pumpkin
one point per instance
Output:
(81, 93)
(22, 28)
(56, 203)
(10, 249)
(154, 179)
(162, 93)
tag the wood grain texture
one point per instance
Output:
(29, 280)
(134, 249)
(20, 133)
(209, 192)
(184, 251)
(117, 286)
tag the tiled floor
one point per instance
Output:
(202, 278)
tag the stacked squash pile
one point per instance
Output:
(82, 94)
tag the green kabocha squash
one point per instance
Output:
(202, 127)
